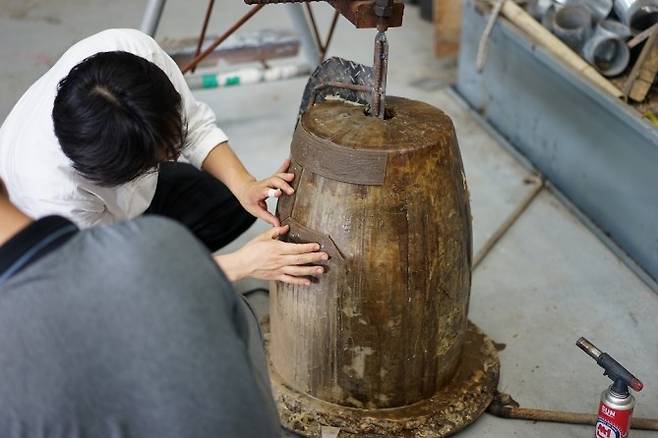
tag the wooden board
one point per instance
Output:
(447, 27)
(644, 71)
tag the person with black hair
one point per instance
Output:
(112, 131)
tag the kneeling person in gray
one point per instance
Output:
(121, 331)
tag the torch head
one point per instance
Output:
(613, 369)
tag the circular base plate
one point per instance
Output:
(457, 405)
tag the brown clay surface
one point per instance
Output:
(413, 125)
(385, 326)
(465, 397)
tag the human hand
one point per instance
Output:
(254, 194)
(266, 258)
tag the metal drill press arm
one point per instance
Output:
(381, 14)
(360, 13)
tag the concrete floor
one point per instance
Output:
(547, 282)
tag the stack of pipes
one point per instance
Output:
(597, 29)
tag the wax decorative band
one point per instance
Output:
(299, 233)
(286, 203)
(340, 163)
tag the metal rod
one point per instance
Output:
(346, 85)
(332, 27)
(193, 63)
(562, 416)
(202, 36)
(151, 17)
(511, 219)
(380, 67)
(314, 26)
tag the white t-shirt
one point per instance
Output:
(40, 178)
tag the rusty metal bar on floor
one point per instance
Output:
(504, 406)
(511, 220)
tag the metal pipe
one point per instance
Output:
(573, 25)
(539, 8)
(618, 28)
(151, 17)
(600, 9)
(310, 50)
(221, 38)
(380, 68)
(637, 14)
(607, 51)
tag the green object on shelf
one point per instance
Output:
(209, 81)
(233, 80)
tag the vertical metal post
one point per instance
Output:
(310, 49)
(151, 17)
(380, 70)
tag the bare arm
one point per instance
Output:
(266, 258)
(224, 165)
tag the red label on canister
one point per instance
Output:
(612, 423)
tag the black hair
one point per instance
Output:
(116, 116)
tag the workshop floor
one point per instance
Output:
(548, 281)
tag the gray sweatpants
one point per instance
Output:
(130, 331)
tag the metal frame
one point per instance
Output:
(220, 39)
(309, 47)
(323, 47)
(313, 48)
(151, 18)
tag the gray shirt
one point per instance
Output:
(130, 331)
